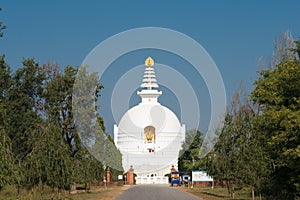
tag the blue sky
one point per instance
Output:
(235, 33)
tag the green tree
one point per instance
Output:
(48, 162)
(89, 124)
(58, 107)
(253, 163)
(87, 169)
(5, 85)
(7, 166)
(104, 150)
(39, 142)
(58, 101)
(9, 172)
(19, 114)
(189, 155)
(24, 99)
(239, 157)
(222, 160)
(277, 92)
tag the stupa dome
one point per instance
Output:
(137, 118)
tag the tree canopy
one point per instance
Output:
(277, 92)
(39, 141)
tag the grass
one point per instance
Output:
(218, 193)
(96, 192)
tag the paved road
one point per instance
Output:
(155, 192)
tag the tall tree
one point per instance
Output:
(253, 163)
(39, 142)
(48, 162)
(239, 157)
(5, 85)
(20, 97)
(222, 160)
(58, 102)
(277, 92)
(24, 98)
(89, 123)
(7, 165)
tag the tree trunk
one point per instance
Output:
(228, 189)
(42, 192)
(233, 193)
(252, 193)
(260, 197)
(58, 194)
(18, 192)
(53, 193)
(32, 193)
(65, 192)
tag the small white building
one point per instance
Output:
(149, 135)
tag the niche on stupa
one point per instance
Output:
(149, 134)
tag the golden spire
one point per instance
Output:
(149, 62)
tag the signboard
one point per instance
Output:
(120, 177)
(201, 176)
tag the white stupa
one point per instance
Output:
(149, 135)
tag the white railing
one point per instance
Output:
(152, 180)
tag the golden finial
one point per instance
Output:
(149, 62)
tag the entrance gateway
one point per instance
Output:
(149, 135)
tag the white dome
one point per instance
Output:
(137, 118)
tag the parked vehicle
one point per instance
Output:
(175, 179)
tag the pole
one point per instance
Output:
(104, 180)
